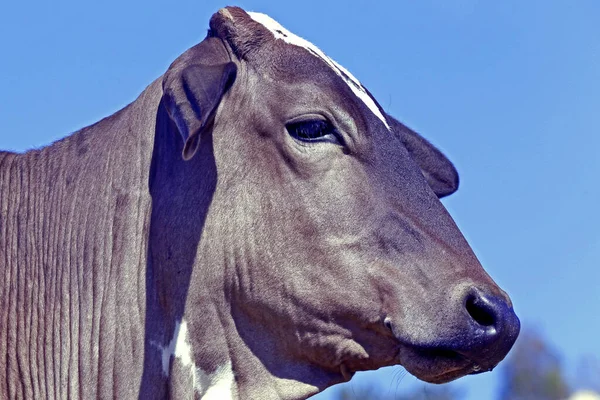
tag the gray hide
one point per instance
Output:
(253, 226)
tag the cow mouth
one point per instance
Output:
(437, 365)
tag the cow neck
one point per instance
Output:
(73, 258)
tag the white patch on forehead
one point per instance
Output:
(216, 386)
(357, 88)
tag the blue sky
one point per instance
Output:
(509, 90)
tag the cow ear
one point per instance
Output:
(191, 97)
(436, 168)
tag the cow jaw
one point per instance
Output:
(436, 367)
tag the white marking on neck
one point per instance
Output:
(216, 386)
(357, 88)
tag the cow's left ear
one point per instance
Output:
(436, 168)
(193, 88)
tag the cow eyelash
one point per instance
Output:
(311, 131)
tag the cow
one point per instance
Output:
(252, 226)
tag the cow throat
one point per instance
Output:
(179, 367)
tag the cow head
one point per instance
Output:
(325, 249)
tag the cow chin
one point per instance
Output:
(436, 366)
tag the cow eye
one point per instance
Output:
(314, 131)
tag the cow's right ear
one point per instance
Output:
(192, 93)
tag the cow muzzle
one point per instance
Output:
(484, 330)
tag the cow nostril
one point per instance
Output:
(480, 310)
(491, 328)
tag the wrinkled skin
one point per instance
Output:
(296, 263)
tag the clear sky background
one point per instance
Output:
(510, 90)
